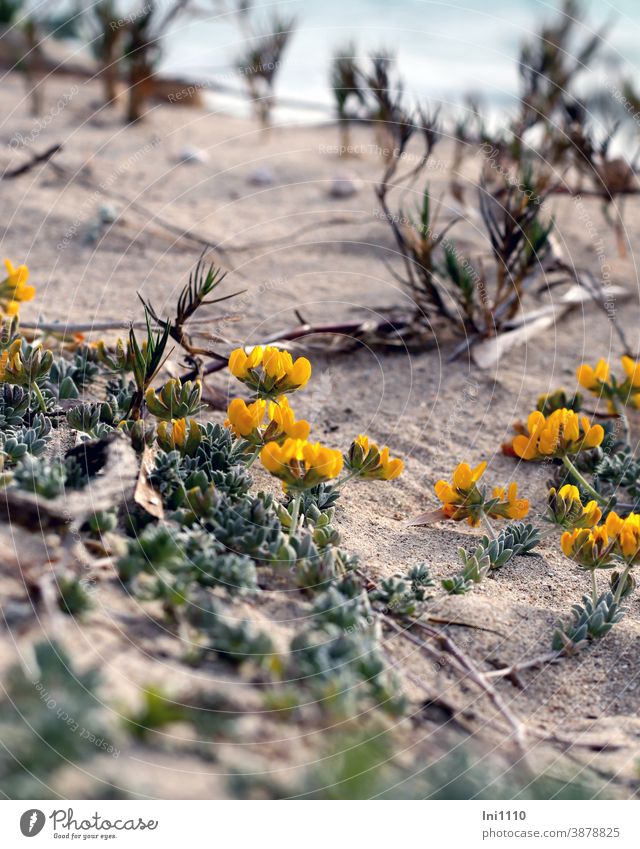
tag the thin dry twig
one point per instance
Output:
(464, 666)
(512, 670)
(36, 159)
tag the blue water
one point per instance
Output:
(445, 49)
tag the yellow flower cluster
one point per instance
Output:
(285, 450)
(300, 464)
(14, 289)
(268, 371)
(557, 435)
(462, 499)
(247, 421)
(594, 379)
(626, 533)
(567, 510)
(366, 460)
(600, 382)
(590, 548)
(509, 506)
(600, 547)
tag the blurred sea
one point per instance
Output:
(445, 50)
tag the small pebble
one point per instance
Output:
(343, 187)
(262, 176)
(192, 155)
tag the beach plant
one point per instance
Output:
(247, 421)
(590, 620)
(104, 28)
(368, 462)
(52, 717)
(175, 400)
(558, 434)
(209, 713)
(199, 291)
(17, 442)
(616, 471)
(464, 499)
(15, 406)
(9, 9)
(22, 364)
(198, 539)
(73, 597)
(490, 554)
(262, 58)
(269, 372)
(473, 298)
(559, 399)
(146, 361)
(404, 595)
(346, 79)
(566, 510)
(147, 25)
(549, 63)
(14, 289)
(561, 435)
(235, 641)
(618, 393)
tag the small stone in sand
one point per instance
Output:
(344, 187)
(262, 176)
(192, 155)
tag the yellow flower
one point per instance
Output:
(626, 533)
(462, 499)
(509, 506)
(4, 359)
(391, 467)
(599, 548)
(300, 464)
(594, 379)
(284, 420)
(589, 548)
(269, 372)
(240, 364)
(566, 509)
(245, 419)
(556, 435)
(632, 370)
(14, 289)
(598, 381)
(464, 477)
(183, 435)
(368, 461)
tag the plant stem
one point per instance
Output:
(594, 587)
(253, 457)
(346, 478)
(41, 402)
(622, 580)
(583, 482)
(625, 421)
(488, 526)
(295, 512)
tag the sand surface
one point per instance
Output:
(432, 412)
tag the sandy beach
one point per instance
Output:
(94, 236)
